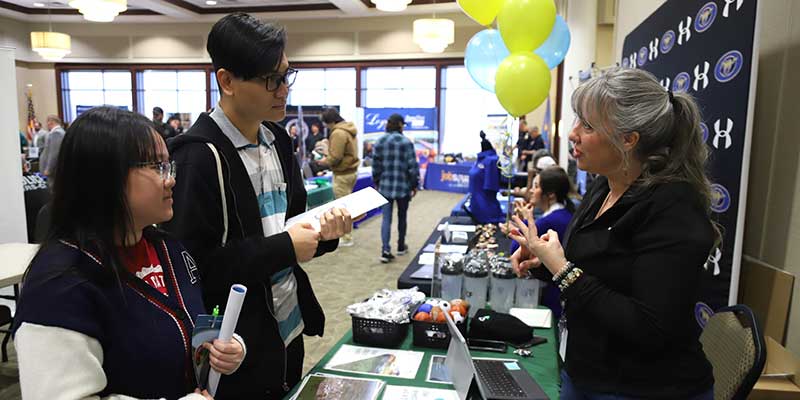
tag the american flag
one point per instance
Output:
(31, 115)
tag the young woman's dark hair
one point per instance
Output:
(555, 180)
(89, 206)
(245, 46)
(331, 116)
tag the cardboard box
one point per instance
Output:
(781, 377)
(768, 292)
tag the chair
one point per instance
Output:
(6, 319)
(734, 345)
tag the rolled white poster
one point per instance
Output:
(235, 300)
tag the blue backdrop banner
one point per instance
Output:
(705, 48)
(417, 119)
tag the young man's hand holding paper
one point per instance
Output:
(357, 203)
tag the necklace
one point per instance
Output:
(603, 206)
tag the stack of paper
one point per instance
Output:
(534, 317)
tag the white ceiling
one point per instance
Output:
(183, 11)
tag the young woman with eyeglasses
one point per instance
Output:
(108, 302)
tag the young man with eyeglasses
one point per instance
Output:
(237, 186)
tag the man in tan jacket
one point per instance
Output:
(342, 157)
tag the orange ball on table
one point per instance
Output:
(422, 316)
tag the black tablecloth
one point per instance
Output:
(405, 281)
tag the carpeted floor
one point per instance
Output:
(348, 275)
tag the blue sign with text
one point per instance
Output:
(417, 119)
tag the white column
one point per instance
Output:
(12, 213)
(581, 17)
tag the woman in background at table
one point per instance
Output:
(108, 302)
(633, 255)
(550, 193)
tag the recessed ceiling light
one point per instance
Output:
(211, 3)
(38, 4)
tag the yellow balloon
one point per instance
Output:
(522, 83)
(526, 24)
(482, 11)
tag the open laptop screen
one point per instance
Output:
(458, 361)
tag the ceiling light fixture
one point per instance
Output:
(99, 10)
(51, 45)
(391, 5)
(211, 3)
(433, 35)
(38, 4)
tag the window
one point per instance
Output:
(81, 90)
(465, 111)
(402, 87)
(175, 91)
(214, 90)
(326, 87)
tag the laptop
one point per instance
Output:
(495, 379)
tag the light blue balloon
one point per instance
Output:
(485, 51)
(554, 49)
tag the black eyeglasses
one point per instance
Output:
(165, 169)
(274, 81)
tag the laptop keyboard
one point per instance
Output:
(496, 379)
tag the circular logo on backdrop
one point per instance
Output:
(705, 17)
(720, 198)
(642, 57)
(681, 82)
(626, 63)
(704, 129)
(702, 313)
(728, 66)
(667, 41)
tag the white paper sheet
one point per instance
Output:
(534, 317)
(427, 258)
(374, 361)
(458, 228)
(424, 272)
(418, 393)
(356, 204)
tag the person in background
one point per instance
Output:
(39, 135)
(341, 157)
(295, 138)
(47, 165)
(319, 168)
(314, 136)
(396, 175)
(631, 270)
(239, 187)
(158, 122)
(173, 127)
(532, 142)
(36, 194)
(522, 159)
(108, 302)
(550, 193)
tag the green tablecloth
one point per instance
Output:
(319, 196)
(543, 365)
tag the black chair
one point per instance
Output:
(734, 345)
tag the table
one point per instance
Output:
(448, 177)
(319, 195)
(543, 366)
(15, 259)
(405, 281)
